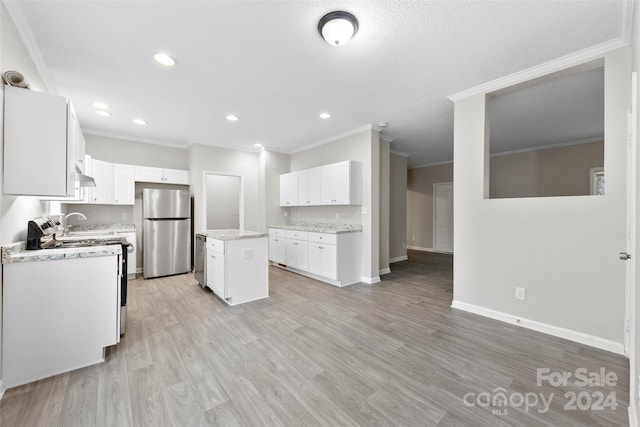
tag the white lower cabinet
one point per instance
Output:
(237, 269)
(215, 267)
(330, 257)
(297, 249)
(58, 315)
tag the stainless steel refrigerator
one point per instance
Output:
(166, 232)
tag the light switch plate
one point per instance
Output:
(247, 253)
(365, 211)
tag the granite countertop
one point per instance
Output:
(318, 227)
(16, 252)
(100, 229)
(232, 234)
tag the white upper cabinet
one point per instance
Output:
(42, 144)
(102, 193)
(123, 184)
(335, 184)
(162, 176)
(342, 183)
(289, 189)
(309, 185)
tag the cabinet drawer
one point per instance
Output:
(297, 235)
(215, 245)
(323, 238)
(278, 232)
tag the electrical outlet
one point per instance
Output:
(124, 215)
(337, 215)
(285, 213)
(404, 246)
(413, 238)
(521, 293)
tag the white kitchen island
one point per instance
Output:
(237, 265)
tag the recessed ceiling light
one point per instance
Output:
(257, 145)
(103, 113)
(325, 115)
(164, 59)
(140, 121)
(232, 118)
(100, 106)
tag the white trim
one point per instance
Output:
(555, 65)
(633, 414)
(334, 138)
(204, 196)
(625, 20)
(370, 280)
(24, 31)
(549, 146)
(568, 334)
(418, 248)
(432, 164)
(400, 153)
(398, 259)
(2, 389)
(385, 271)
(435, 185)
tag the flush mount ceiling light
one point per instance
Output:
(232, 118)
(257, 145)
(325, 115)
(337, 28)
(140, 122)
(103, 113)
(164, 59)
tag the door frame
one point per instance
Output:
(204, 196)
(435, 246)
(630, 279)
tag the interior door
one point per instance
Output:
(443, 217)
(223, 202)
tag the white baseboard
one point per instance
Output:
(633, 414)
(370, 280)
(419, 248)
(385, 271)
(2, 389)
(579, 337)
(398, 259)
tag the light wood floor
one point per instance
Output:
(391, 354)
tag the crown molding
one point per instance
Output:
(24, 31)
(549, 146)
(446, 162)
(334, 138)
(400, 153)
(553, 66)
(625, 19)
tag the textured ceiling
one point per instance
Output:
(265, 62)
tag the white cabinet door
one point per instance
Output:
(289, 189)
(176, 176)
(102, 193)
(149, 174)
(323, 260)
(216, 273)
(36, 156)
(298, 254)
(309, 187)
(278, 249)
(123, 184)
(335, 184)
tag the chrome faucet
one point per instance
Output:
(64, 222)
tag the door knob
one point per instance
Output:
(625, 256)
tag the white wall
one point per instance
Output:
(385, 167)
(397, 208)
(212, 159)
(365, 148)
(272, 165)
(563, 250)
(117, 150)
